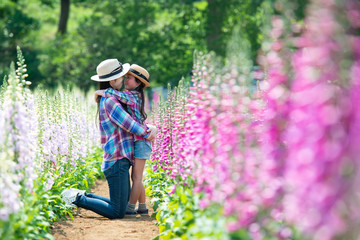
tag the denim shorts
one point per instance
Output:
(142, 149)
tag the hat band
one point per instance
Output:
(138, 74)
(111, 74)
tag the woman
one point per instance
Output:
(117, 129)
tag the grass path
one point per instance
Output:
(91, 226)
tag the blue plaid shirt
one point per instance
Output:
(133, 101)
(116, 130)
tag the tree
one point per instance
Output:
(64, 16)
(162, 39)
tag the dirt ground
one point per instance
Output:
(91, 226)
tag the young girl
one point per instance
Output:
(136, 80)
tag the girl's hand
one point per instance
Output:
(153, 132)
(99, 93)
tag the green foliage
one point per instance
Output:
(42, 207)
(38, 200)
(160, 39)
(223, 16)
(17, 26)
(160, 35)
(179, 215)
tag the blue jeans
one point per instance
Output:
(118, 180)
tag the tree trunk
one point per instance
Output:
(215, 21)
(64, 16)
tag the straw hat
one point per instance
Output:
(110, 69)
(140, 73)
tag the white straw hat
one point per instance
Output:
(110, 69)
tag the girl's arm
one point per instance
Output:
(124, 97)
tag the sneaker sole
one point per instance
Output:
(143, 213)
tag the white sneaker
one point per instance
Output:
(69, 196)
(80, 192)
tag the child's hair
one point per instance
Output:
(140, 89)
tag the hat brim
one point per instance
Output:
(126, 68)
(147, 84)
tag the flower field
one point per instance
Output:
(48, 143)
(280, 162)
(240, 154)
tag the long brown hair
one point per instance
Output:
(140, 89)
(102, 86)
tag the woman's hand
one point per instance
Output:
(153, 132)
(99, 93)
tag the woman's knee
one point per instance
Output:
(118, 215)
(118, 212)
